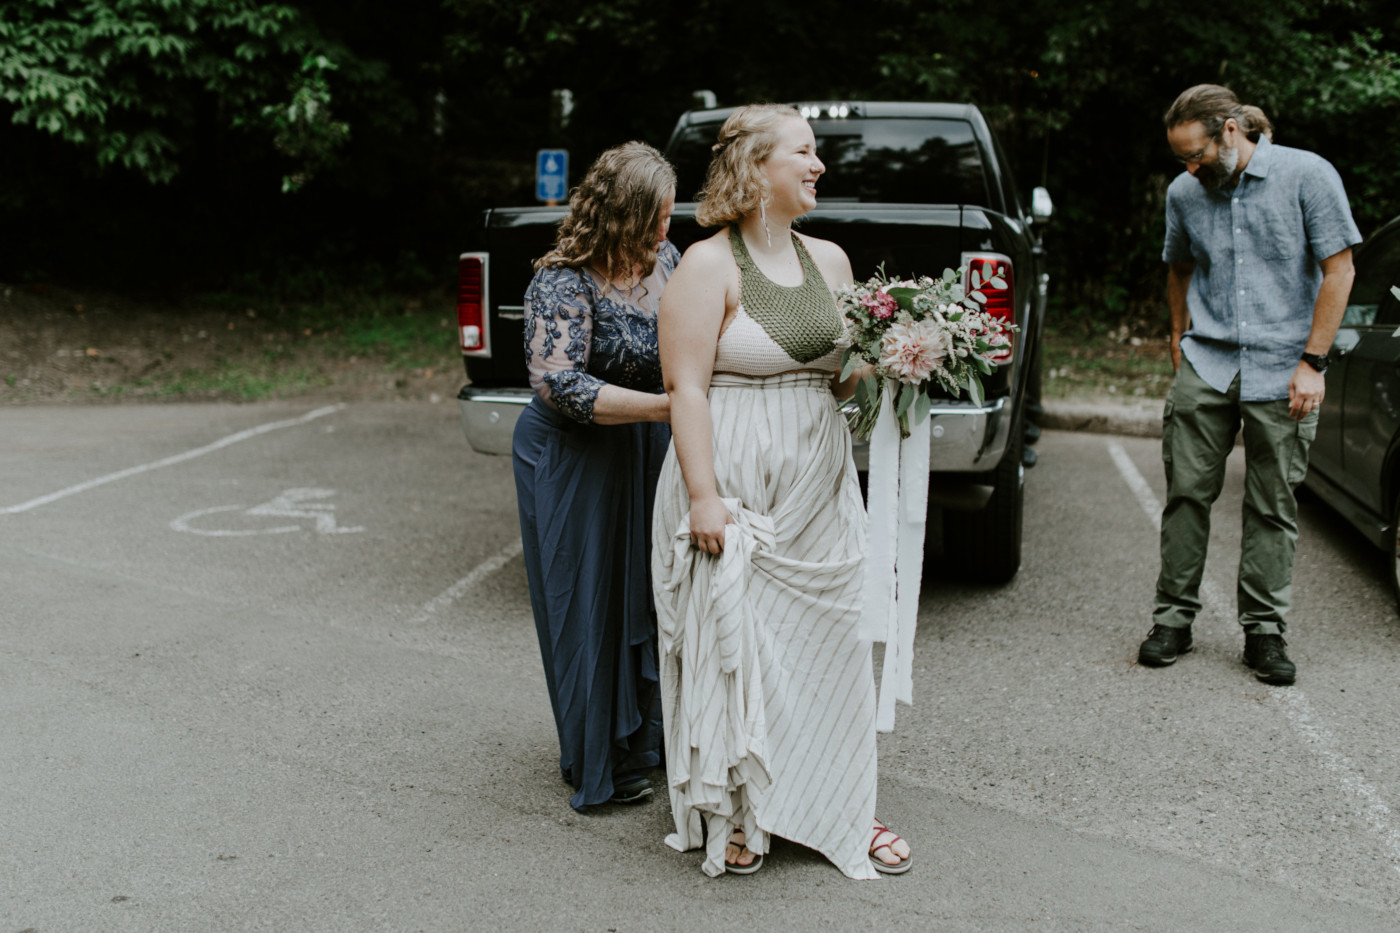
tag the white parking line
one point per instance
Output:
(169, 461)
(1300, 713)
(443, 638)
(1136, 483)
(1292, 700)
(457, 590)
(1210, 595)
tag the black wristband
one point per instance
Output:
(1317, 361)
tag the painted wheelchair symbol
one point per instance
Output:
(302, 503)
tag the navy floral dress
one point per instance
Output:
(585, 493)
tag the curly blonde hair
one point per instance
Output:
(615, 213)
(734, 183)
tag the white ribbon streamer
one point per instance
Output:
(897, 509)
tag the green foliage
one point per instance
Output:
(305, 130)
(632, 65)
(1077, 90)
(223, 100)
(131, 81)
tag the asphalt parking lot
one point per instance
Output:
(272, 667)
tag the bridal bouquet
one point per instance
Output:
(919, 333)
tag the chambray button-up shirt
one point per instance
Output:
(1256, 250)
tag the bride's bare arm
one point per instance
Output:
(691, 316)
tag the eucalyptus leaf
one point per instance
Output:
(849, 360)
(904, 297)
(905, 398)
(997, 282)
(974, 389)
(922, 404)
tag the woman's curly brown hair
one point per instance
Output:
(615, 214)
(734, 184)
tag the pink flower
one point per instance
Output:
(912, 351)
(880, 305)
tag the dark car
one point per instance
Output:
(1355, 462)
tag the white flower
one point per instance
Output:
(903, 283)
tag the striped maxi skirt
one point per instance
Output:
(768, 694)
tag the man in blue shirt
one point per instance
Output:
(1258, 248)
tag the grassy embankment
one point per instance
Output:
(60, 345)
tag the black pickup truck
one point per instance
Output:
(912, 187)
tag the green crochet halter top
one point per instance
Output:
(802, 319)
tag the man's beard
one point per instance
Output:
(1220, 173)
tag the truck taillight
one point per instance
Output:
(472, 325)
(1001, 302)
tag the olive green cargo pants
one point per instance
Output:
(1199, 426)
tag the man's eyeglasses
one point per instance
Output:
(1199, 155)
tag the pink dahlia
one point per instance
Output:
(912, 351)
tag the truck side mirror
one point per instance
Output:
(1042, 208)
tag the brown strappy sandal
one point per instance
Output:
(883, 838)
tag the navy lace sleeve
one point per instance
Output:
(558, 332)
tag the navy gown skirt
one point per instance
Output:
(585, 493)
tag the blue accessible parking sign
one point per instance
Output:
(552, 174)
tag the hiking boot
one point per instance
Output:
(1265, 654)
(1163, 644)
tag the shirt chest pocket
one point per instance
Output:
(1277, 233)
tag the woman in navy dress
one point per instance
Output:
(587, 453)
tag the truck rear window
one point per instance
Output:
(892, 161)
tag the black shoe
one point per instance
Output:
(1163, 644)
(1028, 457)
(1265, 654)
(1032, 432)
(634, 789)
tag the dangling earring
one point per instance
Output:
(763, 213)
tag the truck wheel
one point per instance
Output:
(985, 546)
(1393, 552)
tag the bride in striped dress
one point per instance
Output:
(759, 530)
